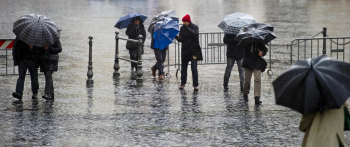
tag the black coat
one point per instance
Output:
(252, 60)
(133, 32)
(232, 50)
(20, 52)
(49, 58)
(189, 38)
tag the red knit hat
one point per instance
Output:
(186, 18)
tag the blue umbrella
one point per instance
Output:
(165, 28)
(124, 21)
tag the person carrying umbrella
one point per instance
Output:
(253, 39)
(163, 28)
(190, 50)
(135, 28)
(318, 89)
(231, 25)
(48, 64)
(32, 31)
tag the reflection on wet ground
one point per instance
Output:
(120, 112)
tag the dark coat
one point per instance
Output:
(189, 38)
(232, 50)
(133, 32)
(49, 58)
(152, 44)
(251, 59)
(20, 52)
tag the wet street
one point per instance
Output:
(120, 112)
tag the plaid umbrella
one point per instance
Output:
(232, 23)
(37, 30)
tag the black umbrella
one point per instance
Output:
(256, 33)
(314, 85)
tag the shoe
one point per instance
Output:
(226, 87)
(241, 88)
(182, 86)
(153, 72)
(16, 95)
(35, 96)
(161, 77)
(257, 100)
(132, 68)
(195, 88)
(47, 96)
(245, 97)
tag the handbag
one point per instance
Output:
(346, 119)
(131, 45)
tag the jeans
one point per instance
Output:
(22, 70)
(184, 66)
(48, 82)
(257, 81)
(230, 63)
(160, 57)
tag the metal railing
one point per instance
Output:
(303, 48)
(6, 60)
(139, 71)
(213, 50)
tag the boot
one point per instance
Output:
(47, 96)
(161, 77)
(153, 72)
(35, 96)
(16, 95)
(195, 88)
(182, 86)
(257, 100)
(245, 97)
(226, 87)
(241, 88)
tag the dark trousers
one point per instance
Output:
(160, 57)
(48, 82)
(133, 56)
(22, 70)
(184, 66)
(230, 63)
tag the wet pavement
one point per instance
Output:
(120, 112)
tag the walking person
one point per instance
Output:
(49, 64)
(135, 28)
(253, 63)
(190, 50)
(233, 55)
(25, 58)
(160, 57)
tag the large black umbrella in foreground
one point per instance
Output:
(314, 85)
(256, 33)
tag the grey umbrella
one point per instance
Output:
(37, 30)
(232, 23)
(169, 15)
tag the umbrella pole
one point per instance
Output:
(116, 60)
(139, 65)
(89, 81)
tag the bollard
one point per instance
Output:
(116, 60)
(89, 81)
(139, 65)
(324, 40)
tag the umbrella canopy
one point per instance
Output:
(233, 23)
(256, 33)
(313, 85)
(164, 29)
(124, 21)
(37, 30)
